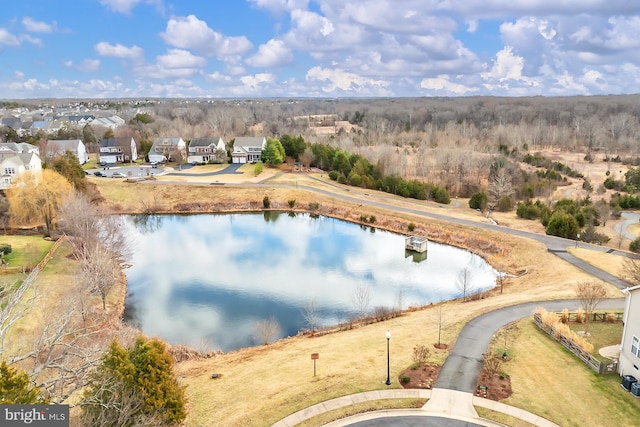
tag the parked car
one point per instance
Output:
(98, 173)
(118, 175)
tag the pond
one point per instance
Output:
(206, 281)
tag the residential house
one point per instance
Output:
(165, 149)
(248, 149)
(118, 150)
(205, 150)
(629, 362)
(13, 122)
(14, 164)
(56, 148)
(18, 148)
(112, 122)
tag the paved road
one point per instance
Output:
(622, 227)
(414, 421)
(461, 368)
(231, 169)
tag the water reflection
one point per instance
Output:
(213, 277)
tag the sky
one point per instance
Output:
(317, 48)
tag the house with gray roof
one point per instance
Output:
(14, 164)
(248, 149)
(207, 150)
(57, 147)
(118, 150)
(167, 149)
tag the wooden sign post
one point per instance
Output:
(314, 357)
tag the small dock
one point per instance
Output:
(416, 244)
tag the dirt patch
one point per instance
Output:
(420, 376)
(494, 387)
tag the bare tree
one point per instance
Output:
(501, 279)
(310, 314)
(590, 295)
(361, 299)
(631, 270)
(15, 306)
(267, 329)
(440, 325)
(463, 282)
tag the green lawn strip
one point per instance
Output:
(25, 250)
(359, 408)
(501, 418)
(551, 382)
(601, 334)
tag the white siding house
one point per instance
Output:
(247, 149)
(629, 362)
(165, 149)
(56, 148)
(12, 165)
(118, 150)
(205, 150)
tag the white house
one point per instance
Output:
(205, 150)
(629, 362)
(118, 150)
(56, 148)
(18, 148)
(113, 122)
(248, 149)
(12, 165)
(165, 149)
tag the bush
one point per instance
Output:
(333, 175)
(5, 249)
(291, 203)
(411, 226)
(266, 203)
(421, 354)
(314, 206)
(479, 201)
(405, 379)
(372, 219)
(505, 204)
(440, 195)
(634, 246)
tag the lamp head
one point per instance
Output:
(388, 334)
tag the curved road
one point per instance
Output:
(462, 367)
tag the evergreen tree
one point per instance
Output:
(16, 388)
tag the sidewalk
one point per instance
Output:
(442, 403)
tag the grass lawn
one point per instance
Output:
(551, 382)
(26, 251)
(601, 334)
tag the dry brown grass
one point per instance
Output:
(261, 385)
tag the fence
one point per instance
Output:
(595, 317)
(568, 343)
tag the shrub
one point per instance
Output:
(610, 318)
(257, 169)
(479, 201)
(266, 203)
(5, 249)
(314, 206)
(411, 226)
(634, 246)
(372, 219)
(292, 203)
(505, 204)
(421, 354)
(405, 379)
(333, 175)
(363, 218)
(564, 316)
(580, 316)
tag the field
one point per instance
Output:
(276, 380)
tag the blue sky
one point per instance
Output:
(321, 48)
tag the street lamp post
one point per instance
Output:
(388, 370)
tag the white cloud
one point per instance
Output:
(272, 54)
(34, 26)
(178, 58)
(442, 83)
(126, 6)
(194, 34)
(279, 6)
(119, 51)
(8, 39)
(506, 66)
(87, 65)
(337, 79)
(258, 79)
